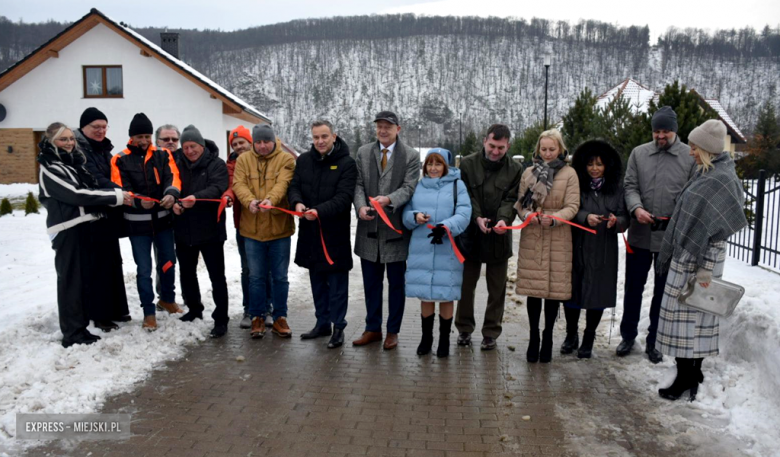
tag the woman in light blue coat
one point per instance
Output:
(433, 272)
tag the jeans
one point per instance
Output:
(142, 255)
(241, 243)
(373, 283)
(214, 258)
(330, 292)
(264, 257)
(637, 267)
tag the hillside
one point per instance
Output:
(431, 69)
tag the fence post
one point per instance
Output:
(759, 230)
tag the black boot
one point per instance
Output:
(427, 335)
(532, 355)
(445, 325)
(698, 376)
(570, 343)
(685, 380)
(586, 350)
(545, 354)
(572, 333)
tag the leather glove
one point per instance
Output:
(659, 224)
(703, 276)
(437, 233)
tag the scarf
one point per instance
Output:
(543, 175)
(75, 160)
(596, 183)
(716, 197)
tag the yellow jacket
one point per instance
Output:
(257, 178)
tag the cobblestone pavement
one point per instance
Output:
(297, 398)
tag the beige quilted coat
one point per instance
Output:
(545, 257)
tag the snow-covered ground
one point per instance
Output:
(738, 400)
(36, 373)
(737, 409)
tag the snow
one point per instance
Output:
(637, 95)
(36, 373)
(737, 408)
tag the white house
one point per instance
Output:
(639, 98)
(99, 62)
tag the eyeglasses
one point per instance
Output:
(98, 128)
(169, 140)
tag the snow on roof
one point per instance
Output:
(246, 106)
(637, 95)
(724, 116)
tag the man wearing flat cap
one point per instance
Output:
(388, 171)
(656, 174)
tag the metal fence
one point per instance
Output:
(757, 243)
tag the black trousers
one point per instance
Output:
(637, 268)
(330, 291)
(106, 298)
(214, 258)
(71, 259)
(373, 285)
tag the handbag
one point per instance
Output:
(720, 298)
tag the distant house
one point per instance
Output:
(639, 97)
(103, 63)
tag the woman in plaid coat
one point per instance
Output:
(691, 247)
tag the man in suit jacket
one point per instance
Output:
(388, 171)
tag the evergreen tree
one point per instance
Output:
(470, 144)
(578, 121)
(31, 204)
(617, 123)
(763, 152)
(5, 207)
(525, 143)
(691, 112)
(358, 141)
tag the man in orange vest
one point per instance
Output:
(150, 172)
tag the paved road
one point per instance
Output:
(297, 398)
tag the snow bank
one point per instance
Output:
(18, 190)
(37, 374)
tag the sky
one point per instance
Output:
(239, 14)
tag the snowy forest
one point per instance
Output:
(440, 72)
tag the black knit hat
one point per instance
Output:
(665, 119)
(90, 115)
(191, 133)
(140, 125)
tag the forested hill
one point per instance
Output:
(430, 69)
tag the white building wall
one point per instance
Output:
(54, 91)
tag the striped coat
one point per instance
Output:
(683, 331)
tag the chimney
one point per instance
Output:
(169, 41)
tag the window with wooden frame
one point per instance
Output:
(103, 81)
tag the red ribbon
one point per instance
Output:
(382, 214)
(530, 216)
(222, 202)
(455, 249)
(300, 214)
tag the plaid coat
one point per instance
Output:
(683, 331)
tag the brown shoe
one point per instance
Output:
(281, 328)
(150, 323)
(258, 328)
(368, 337)
(172, 308)
(391, 341)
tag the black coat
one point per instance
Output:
(595, 257)
(326, 184)
(207, 178)
(151, 173)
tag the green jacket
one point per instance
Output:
(493, 188)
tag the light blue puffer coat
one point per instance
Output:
(433, 273)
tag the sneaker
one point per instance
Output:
(171, 307)
(246, 321)
(258, 328)
(150, 323)
(464, 339)
(488, 344)
(269, 320)
(106, 326)
(218, 331)
(281, 328)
